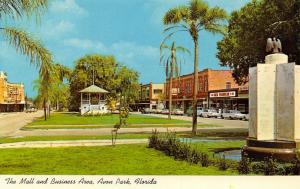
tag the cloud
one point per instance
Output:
(125, 51)
(85, 44)
(57, 29)
(68, 6)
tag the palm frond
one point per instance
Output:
(176, 15)
(182, 49)
(28, 46)
(172, 33)
(19, 8)
(198, 9)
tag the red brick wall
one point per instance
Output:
(218, 78)
(208, 80)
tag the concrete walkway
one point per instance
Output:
(107, 131)
(70, 143)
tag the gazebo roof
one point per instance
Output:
(93, 89)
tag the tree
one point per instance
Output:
(193, 18)
(244, 44)
(60, 93)
(169, 59)
(22, 41)
(111, 76)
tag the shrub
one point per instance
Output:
(244, 166)
(204, 160)
(222, 165)
(270, 166)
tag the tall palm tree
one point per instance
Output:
(22, 41)
(169, 59)
(193, 18)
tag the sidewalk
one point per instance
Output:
(70, 143)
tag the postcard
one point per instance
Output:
(149, 94)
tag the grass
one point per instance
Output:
(75, 121)
(61, 138)
(106, 160)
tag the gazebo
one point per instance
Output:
(93, 100)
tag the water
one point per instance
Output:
(195, 140)
(230, 154)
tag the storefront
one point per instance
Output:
(230, 99)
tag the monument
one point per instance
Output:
(274, 106)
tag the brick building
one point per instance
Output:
(150, 96)
(12, 98)
(216, 89)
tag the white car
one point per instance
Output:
(210, 113)
(178, 112)
(233, 114)
(165, 111)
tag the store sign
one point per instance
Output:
(223, 94)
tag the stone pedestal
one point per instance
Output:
(274, 106)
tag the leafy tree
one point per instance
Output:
(193, 18)
(108, 74)
(244, 44)
(169, 59)
(22, 41)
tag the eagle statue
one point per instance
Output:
(273, 45)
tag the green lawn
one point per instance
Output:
(75, 121)
(60, 138)
(106, 160)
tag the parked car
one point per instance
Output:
(157, 111)
(210, 113)
(233, 114)
(165, 111)
(31, 109)
(189, 112)
(178, 112)
(146, 111)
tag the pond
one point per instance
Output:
(230, 154)
(195, 140)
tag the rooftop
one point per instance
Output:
(93, 89)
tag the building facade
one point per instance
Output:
(216, 89)
(150, 96)
(12, 98)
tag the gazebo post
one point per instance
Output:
(89, 98)
(81, 99)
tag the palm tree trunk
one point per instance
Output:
(171, 80)
(195, 91)
(45, 111)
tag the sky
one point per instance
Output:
(131, 30)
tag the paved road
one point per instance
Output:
(12, 122)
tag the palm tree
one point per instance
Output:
(169, 59)
(193, 18)
(22, 41)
